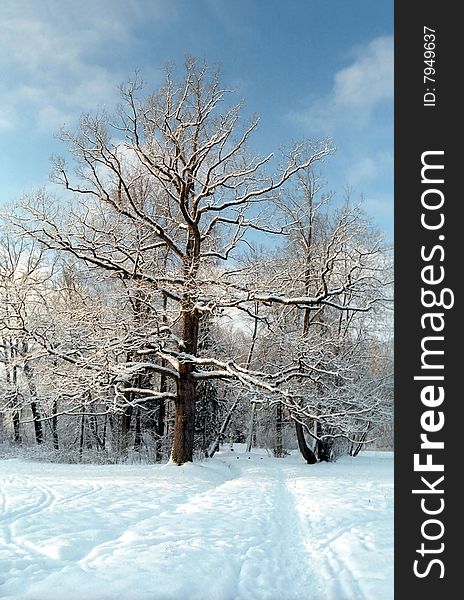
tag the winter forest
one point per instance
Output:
(176, 291)
(196, 371)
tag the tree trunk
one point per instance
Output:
(325, 450)
(356, 446)
(114, 432)
(220, 436)
(55, 425)
(138, 431)
(184, 422)
(16, 427)
(305, 450)
(125, 430)
(160, 423)
(93, 426)
(105, 428)
(16, 412)
(29, 374)
(251, 425)
(82, 432)
(324, 446)
(37, 423)
(278, 450)
(161, 417)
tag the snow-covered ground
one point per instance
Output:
(227, 529)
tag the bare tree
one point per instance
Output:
(180, 181)
(23, 275)
(163, 195)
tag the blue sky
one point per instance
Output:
(309, 68)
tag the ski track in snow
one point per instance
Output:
(229, 529)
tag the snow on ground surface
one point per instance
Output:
(227, 529)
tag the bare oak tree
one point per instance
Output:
(162, 197)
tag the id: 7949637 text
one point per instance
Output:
(429, 66)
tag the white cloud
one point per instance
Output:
(364, 168)
(7, 120)
(369, 79)
(357, 89)
(54, 55)
(50, 118)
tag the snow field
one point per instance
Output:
(233, 528)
